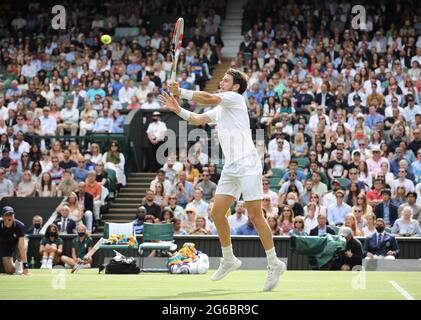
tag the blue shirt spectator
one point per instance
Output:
(247, 229)
(337, 212)
(95, 90)
(79, 175)
(372, 119)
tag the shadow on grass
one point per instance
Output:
(215, 293)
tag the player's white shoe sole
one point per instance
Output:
(225, 267)
(273, 275)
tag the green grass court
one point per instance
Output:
(299, 285)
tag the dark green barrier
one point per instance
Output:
(26, 208)
(244, 246)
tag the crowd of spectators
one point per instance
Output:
(340, 109)
(58, 88)
(339, 106)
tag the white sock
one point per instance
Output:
(44, 260)
(273, 261)
(227, 253)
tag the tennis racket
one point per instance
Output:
(177, 40)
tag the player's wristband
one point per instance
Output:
(25, 265)
(186, 94)
(184, 114)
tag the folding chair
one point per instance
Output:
(161, 236)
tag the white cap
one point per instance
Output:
(345, 231)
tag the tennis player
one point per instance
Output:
(242, 172)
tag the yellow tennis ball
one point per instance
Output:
(106, 39)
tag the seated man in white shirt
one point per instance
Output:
(105, 123)
(150, 103)
(402, 181)
(330, 198)
(48, 122)
(198, 203)
(272, 145)
(126, 93)
(279, 158)
(160, 177)
(238, 218)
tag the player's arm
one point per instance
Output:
(191, 117)
(200, 97)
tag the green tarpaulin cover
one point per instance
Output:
(322, 248)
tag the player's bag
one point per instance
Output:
(120, 265)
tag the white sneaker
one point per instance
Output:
(273, 275)
(225, 268)
(44, 264)
(18, 267)
(49, 264)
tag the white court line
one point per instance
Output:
(402, 291)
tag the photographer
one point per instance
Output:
(353, 254)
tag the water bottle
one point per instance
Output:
(32, 264)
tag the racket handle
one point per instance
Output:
(173, 75)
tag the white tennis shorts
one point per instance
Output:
(250, 186)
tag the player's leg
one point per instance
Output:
(68, 261)
(226, 192)
(8, 265)
(6, 253)
(51, 256)
(252, 189)
(255, 215)
(45, 254)
(221, 204)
